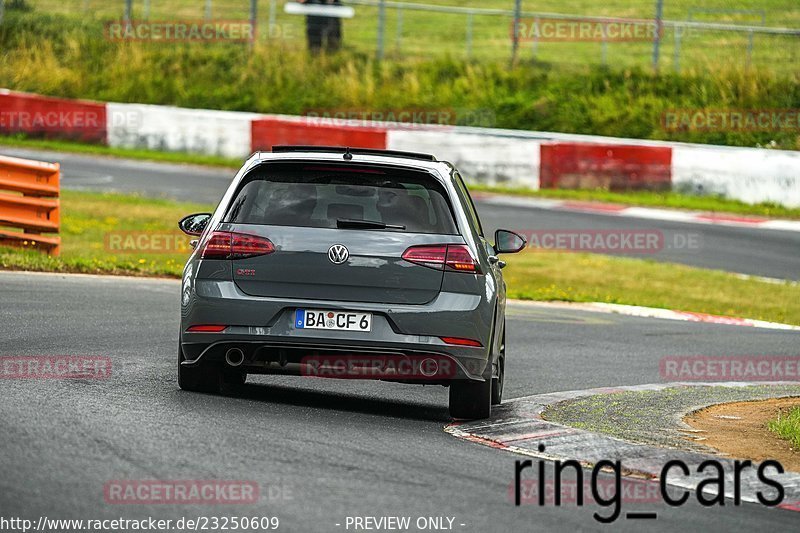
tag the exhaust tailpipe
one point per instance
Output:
(234, 357)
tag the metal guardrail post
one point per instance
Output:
(207, 13)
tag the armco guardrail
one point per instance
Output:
(29, 202)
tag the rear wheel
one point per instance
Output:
(471, 400)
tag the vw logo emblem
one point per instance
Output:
(338, 254)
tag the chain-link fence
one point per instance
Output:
(691, 35)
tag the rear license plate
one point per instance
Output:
(338, 320)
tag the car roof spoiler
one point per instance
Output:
(347, 151)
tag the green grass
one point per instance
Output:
(788, 427)
(577, 277)
(421, 33)
(66, 55)
(91, 220)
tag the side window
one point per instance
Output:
(472, 213)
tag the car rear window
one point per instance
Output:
(318, 195)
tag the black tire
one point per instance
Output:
(204, 377)
(471, 400)
(498, 380)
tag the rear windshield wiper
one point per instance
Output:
(345, 223)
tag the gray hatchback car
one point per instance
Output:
(346, 263)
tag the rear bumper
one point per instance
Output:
(263, 328)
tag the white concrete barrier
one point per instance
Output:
(485, 156)
(482, 158)
(176, 129)
(751, 175)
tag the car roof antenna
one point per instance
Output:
(347, 155)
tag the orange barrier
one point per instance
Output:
(29, 201)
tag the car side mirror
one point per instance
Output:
(194, 224)
(508, 242)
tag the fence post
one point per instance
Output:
(254, 21)
(469, 35)
(515, 29)
(272, 29)
(399, 32)
(207, 14)
(381, 28)
(2, 10)
(146, 9)
(604, 46)
(128, 11)
(677, 53)
(657, 38)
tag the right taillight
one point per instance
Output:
(455, 257)
(230, 245)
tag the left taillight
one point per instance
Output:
(232, 245)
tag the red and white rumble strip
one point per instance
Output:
(517, 426)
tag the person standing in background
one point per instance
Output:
(323, 32)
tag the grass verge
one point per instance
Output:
(113, 234)
(576, 277)
(122, 234)
(634, 198)
(788, 427)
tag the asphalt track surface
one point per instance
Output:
(759, 252)
(325, 449)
